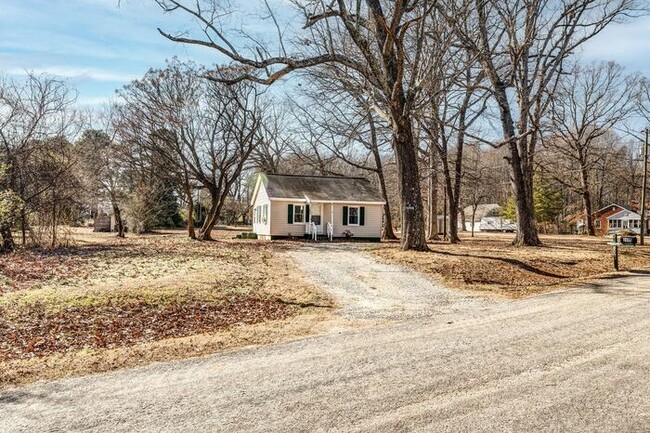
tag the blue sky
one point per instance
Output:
(100, 45)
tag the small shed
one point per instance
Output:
(105, 219)
(287, 205)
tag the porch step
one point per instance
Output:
(321, 237)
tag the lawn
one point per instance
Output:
(489, 263)
(108, 303)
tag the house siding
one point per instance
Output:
(371, 228)
(372, 223)
(279, 224)
(262, 228)
(602, 217)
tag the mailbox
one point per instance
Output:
(628, 240)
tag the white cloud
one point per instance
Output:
(77, 73)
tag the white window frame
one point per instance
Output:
(265, 214)
(358, 208)
(597, 224)
(303, 207)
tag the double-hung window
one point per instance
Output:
(353, 216)
(298, 213)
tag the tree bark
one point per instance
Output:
(432, 229)
(521, 177)
(23, 225)
(461, 211)
(211, 218)
(8, 245)
(118, 220)
(409, 186)
(586, 202)
(473, 218)
(191, 232)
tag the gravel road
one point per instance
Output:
(575, 361)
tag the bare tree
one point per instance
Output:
(378, 40)
(588, 103)
(276, 141)
(447, 121)
(33, 111)
(205, 129)
(523, 45)
(341, 126)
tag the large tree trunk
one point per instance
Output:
(409, 186)
(118, 220)
(211, 218)
(586, 201)
(463, 218)
(521, 176)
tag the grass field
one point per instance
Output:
(108, 303)
(489, 263)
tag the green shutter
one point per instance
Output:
(290, 214)
(345, 215)
(362, 215)
(307, 213)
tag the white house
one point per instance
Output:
(297, 206)
(624, 220)
(481, 211)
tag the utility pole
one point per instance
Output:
(644, 186)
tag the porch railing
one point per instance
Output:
(314, 230)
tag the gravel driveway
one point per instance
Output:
(369, 289)
(572, 361)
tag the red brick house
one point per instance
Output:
(601, 215)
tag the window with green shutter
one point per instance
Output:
(345, 215)
(290, 214)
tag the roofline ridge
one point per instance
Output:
(316, 176)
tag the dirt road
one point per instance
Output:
(573, 361)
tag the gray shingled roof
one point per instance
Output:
(325, 188)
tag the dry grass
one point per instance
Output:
(489, 263)
(108, 303)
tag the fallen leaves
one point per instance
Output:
(108, 293)
(39, 332)
(490, 262)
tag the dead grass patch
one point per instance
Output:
(62, 308)
(489, 263)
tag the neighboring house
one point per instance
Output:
(287, 205)
(482, 210)
(105, 218)
(497, 224)
(625, 220)
(601, 218)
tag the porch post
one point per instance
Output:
(332, 217)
